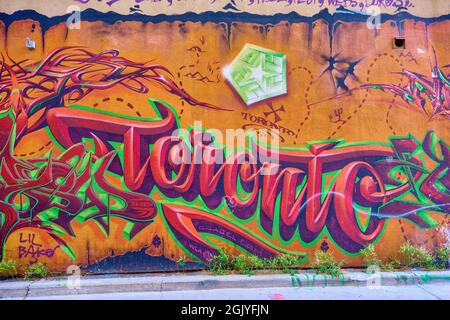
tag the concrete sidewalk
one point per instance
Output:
(438, 291)
(178, 282)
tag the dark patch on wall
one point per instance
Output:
(215, 17)
(137, 262)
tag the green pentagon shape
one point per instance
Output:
(257, 74)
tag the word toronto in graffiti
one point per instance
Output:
(265, 127)
(322, 188)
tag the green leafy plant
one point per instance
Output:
(221, 263)
(37, 270)
(248, 264)
(256, 262)
(324, 263)
(441, 257)
(370, 257)
(241, 264)
(182, 262)
(412, 256)
(272, 264)
(8, 269)
(392, 265)
(288, 263)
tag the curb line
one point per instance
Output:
(177, 282)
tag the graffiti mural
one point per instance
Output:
(422, 94)
(114, 138)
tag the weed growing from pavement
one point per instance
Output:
(370, 257)
(441, 257)
(36, 270)
(411, 256)
(8, 269)
(182, 262)
(392, 265)
(225, 263)
(324, 263)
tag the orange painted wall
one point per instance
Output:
(315, 109)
